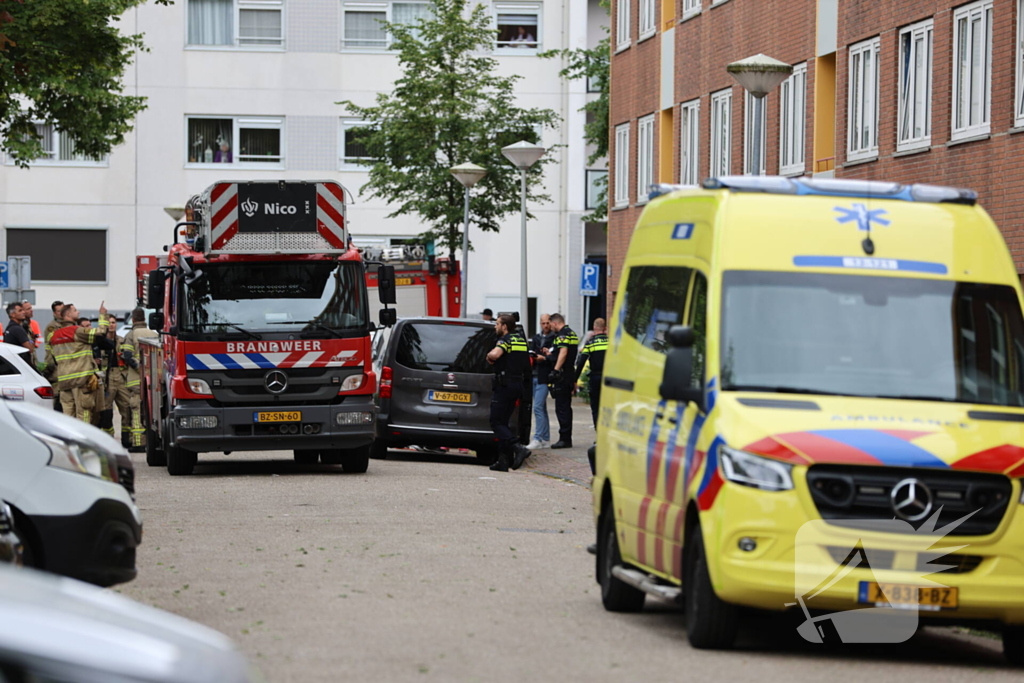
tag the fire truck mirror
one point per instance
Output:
(386, 285)
(388, 317)
(156, 321)
(155, 289)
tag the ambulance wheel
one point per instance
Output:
(306, 457)
(711, 623)
(180, 461)
(1013, 645)
(379, 451)
(616, 595)
(154, 456)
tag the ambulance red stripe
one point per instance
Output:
(998, 459)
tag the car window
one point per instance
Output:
(445, 348)
(7, 368)
(655, 298)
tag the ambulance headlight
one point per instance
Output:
(748, 469)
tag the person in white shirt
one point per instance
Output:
(523, 38)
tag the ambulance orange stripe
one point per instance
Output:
(659, 539)
(707, 498)
(677, 545)
(773, 449)
(998, 459)
(641, 536)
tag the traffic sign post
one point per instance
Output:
(590, 279)
(4, 279)
(16, 279)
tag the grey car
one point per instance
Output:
(435, 385)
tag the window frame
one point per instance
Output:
(793, 122)
(346, 124)
(623, 30)
(691, 8)
(647, 19)
(105, 229)
(749, 105)
(386, 6)
(644, 157)
(857, 83)
(970, 13)
(621, 189)
(689, 136)
(535, 8)
(236, 12)
(591, 192)
(1018, 118)
(278, 123)
(909, 79)
(51, 161)
(721, 101)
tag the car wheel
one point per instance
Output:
(1013, 644)
(616, 595)
(354, 460)
(379, 451)
(180, 461)
(711, 623)
(306, 457)
(155, 457)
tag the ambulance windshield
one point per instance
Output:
(886, 337)
(314, 297)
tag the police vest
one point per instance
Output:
(514, 364)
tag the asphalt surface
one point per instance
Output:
(431, 567)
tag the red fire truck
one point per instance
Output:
(426, 286)
(261, 305)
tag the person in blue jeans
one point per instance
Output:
(540, 346)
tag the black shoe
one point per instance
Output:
(592, 549)
(501, 464)
(521, 454)
(561, 444)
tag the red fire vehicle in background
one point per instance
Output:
(426, 286)
(264, 329)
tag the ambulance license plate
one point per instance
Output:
(449, 396)
(279, 416)
(908, 596)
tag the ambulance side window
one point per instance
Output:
(657, 299)
(697, 320)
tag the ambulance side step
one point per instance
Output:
(647, 584)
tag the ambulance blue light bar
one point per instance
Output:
(655, 191)
(833, 187)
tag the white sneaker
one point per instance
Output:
(537, 445)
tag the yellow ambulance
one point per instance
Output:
(814, 400)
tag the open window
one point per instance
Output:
(518, 26)
(235, 140)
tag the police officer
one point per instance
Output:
(561, 379)
(593, 351)
(511, 361)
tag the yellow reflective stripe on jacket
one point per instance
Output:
(77, 354)
(75, 375)
(569, 339)
(597, 343)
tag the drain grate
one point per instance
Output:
(537, 531)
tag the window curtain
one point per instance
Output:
(364, 29)
(210, 22)
(410, 14)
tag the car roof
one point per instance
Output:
(15, 354)
(448, 321)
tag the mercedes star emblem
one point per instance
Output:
(276, 381)
(911, 500)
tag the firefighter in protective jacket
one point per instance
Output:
(72, 349)
(130, 353)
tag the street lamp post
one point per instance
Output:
(523, 155)
(759, 75)
(467, 174)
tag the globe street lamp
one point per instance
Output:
(467, 174)
(759, 75)
(523, 155)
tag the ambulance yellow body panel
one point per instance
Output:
(860, 350)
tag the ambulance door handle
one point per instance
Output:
(674, 420)
(659, 416)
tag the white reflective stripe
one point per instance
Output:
(308, 360)
(222, 200)
(246, 362)
(338, 205)
(220, 228)
(332, 226)
(206, 359)
(275, 358)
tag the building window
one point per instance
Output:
(644, 157)
(597, 180)
(623, 9)
(353, 146)
(246, 23)
(915, 87)
(721, 132)
(212, 140)
(972, 70)
(755, 127)
(622, 165)
(689, 138)
(1019, 114)
(863, 117)
(792, 121)
(59, 149)
(518, 25)
(648, 24)
(363, 22)
(690, 8)
(81, 258)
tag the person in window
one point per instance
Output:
(523, 38)
(223, 155)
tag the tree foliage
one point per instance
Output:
(447, 108)
(62, 62)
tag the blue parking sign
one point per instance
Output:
(590, 275)
(4, 283)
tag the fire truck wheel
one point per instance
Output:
(154, 456)
(380, 451)
(180, 461)
(354, 460)
(307, 457)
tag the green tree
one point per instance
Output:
(448, 107)
(62, 62)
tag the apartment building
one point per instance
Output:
(247, 89)
(926, 91)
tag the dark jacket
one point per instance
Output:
(542, 366)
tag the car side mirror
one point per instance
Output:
(386, 285)
(157, 280)
(388, 317)
(677, 380)
(156, 321)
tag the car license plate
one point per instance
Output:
(449, 396)
(280, 416)
(908, 596)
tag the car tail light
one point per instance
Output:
(44, 392)
(385, 382)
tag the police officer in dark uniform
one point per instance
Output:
(561, 379)
(594, 351)
(511, 361)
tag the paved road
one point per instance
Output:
(434, 568)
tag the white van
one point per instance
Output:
(70, 488)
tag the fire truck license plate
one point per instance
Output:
(449, 396)
(908, 596)
(282, 416)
